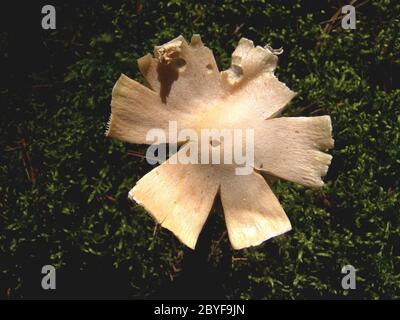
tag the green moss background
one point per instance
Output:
(63, 185)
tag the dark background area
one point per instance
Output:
(63, 185)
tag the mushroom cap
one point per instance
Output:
(185, 85)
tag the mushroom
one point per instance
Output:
(185, 85)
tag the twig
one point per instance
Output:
(139, 7)
(141, 155)
(237, 29)
(41, 86)
(112, 199)
(362, 3)
(156, 228)
(316, 111)
(8, 149)
(302, 109)
(328, 28)
(215, 244)
(203, 11)
(26, 160)
(237, 259)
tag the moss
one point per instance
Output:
(63, 186)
